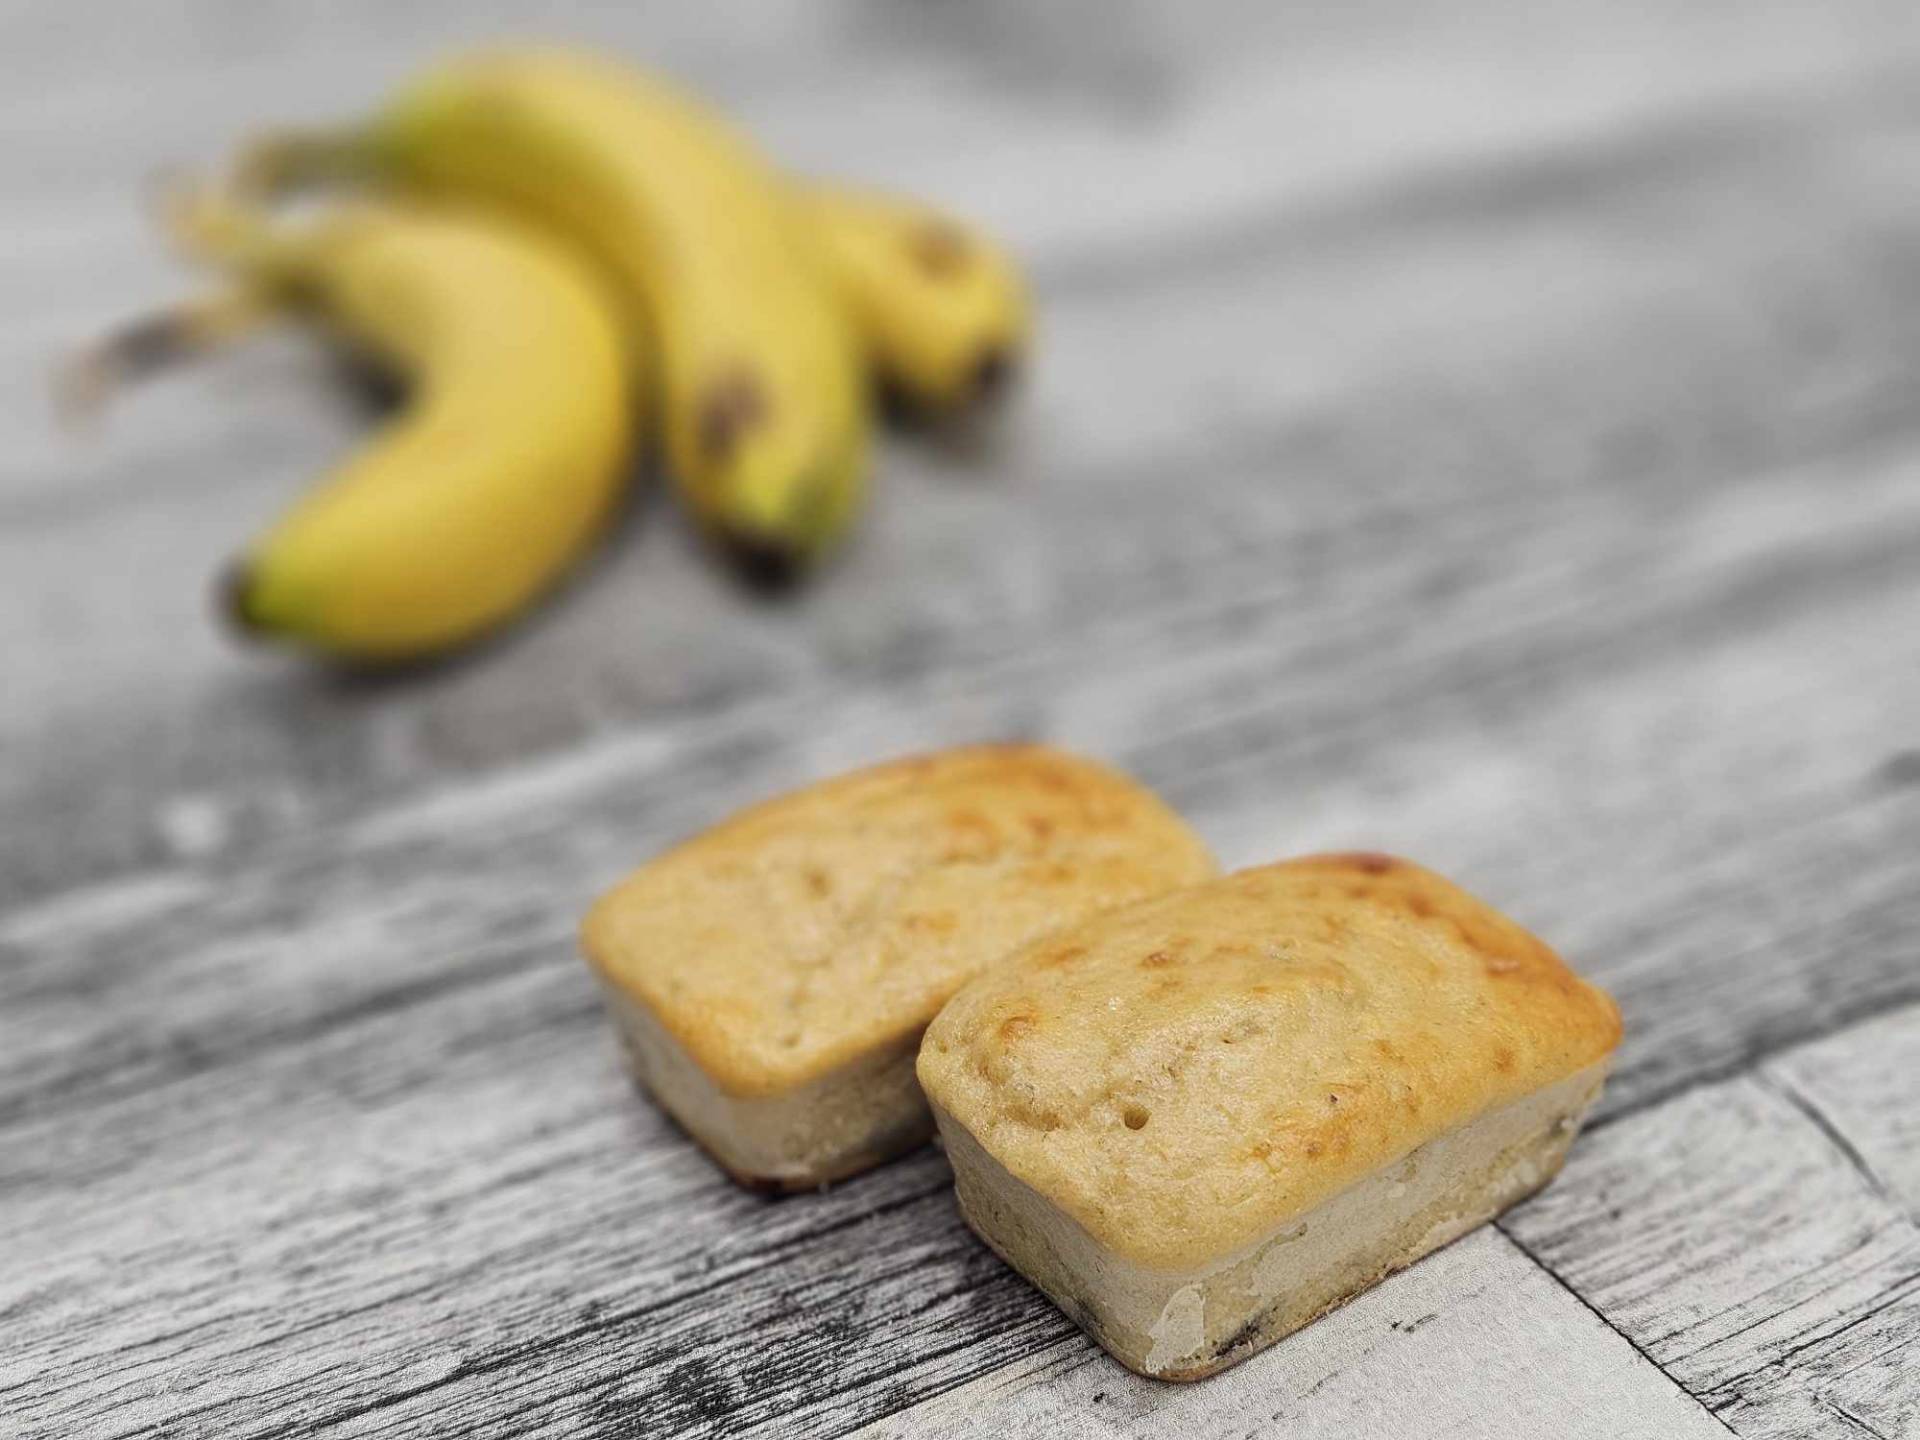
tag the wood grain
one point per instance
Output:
(459, 890)
(1350, 361)
(1474, 1341)
(1745, 1242)
(403, 1000)
(1483, 431)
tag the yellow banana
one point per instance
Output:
(940, 308)
(505, 464)
(762, 412)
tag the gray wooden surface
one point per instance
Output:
(1488, 431)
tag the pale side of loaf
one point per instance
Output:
(772, 977)
(1201, 1121)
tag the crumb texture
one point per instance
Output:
(801, 934)
(1184, 1074)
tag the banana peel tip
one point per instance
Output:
(233, 599)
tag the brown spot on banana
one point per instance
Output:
(940, 249)
(733, 405)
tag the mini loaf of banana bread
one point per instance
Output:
(772, 977)
(1201, 1121)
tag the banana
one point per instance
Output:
(940, 308)
(506, 462)
(762, 406)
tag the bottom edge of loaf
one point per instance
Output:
(847, 1121)
(1187, 1325)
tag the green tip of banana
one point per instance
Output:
(233, 599)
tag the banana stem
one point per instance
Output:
(226, 226)
(284, 161)
(138, 349)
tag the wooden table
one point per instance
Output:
(1486, 431)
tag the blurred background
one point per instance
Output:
(1486, 431)
(1387, 354)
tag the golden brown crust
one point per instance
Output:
(807, 931)
(1184, 1074)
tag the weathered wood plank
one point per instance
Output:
(1480, 431)
(1148, 118)
(574, 1264)
(1413, 360)
(1273, 749)
(1862, 1365)
(1750, 1249)
(1743, 1240)
(1861, 1088)
(403, 1001)
(1475, 1341)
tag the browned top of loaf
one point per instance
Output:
(801, 933)
(1183, 1075)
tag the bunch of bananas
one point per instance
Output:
(557, 254)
